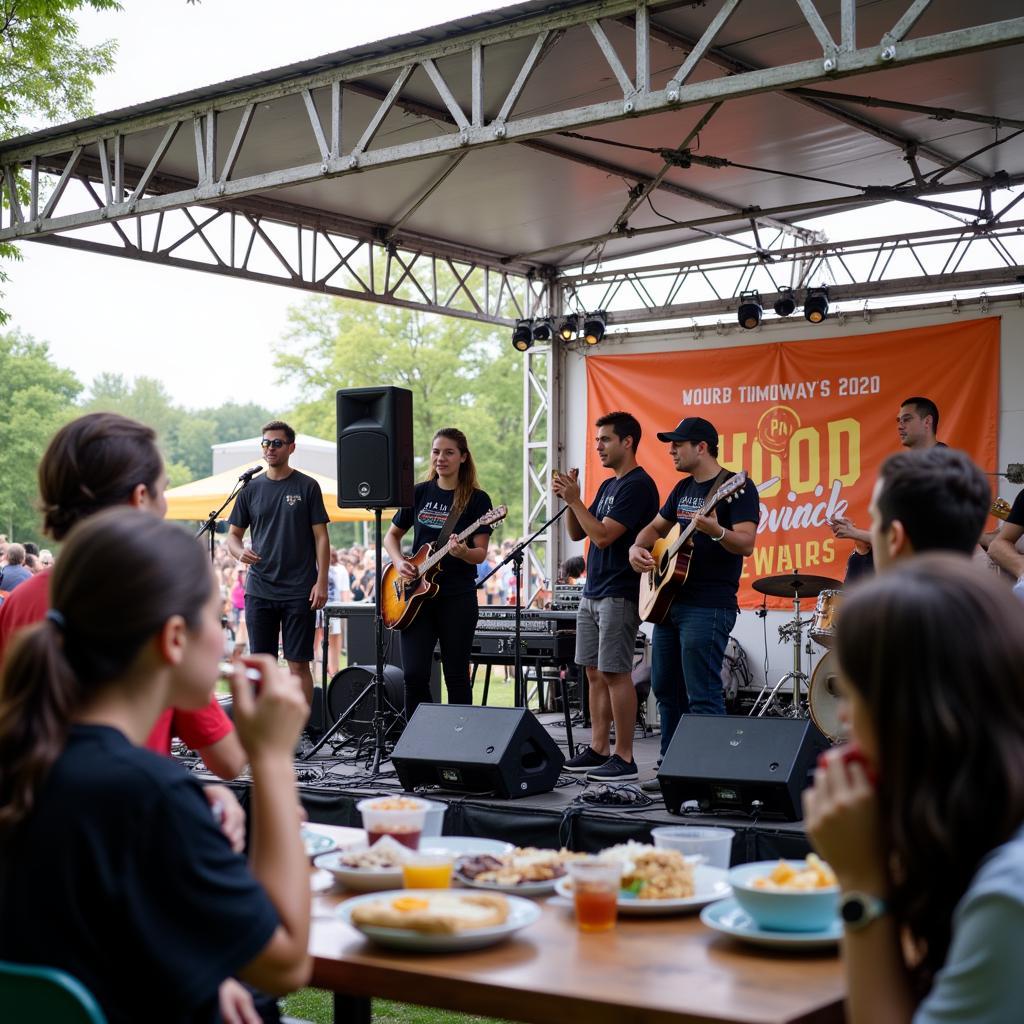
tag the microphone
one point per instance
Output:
(1014, 473)
(250, 473)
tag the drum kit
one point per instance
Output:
(822, 703)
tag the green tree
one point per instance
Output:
(234, 421)
(37, 397)
(460, 373)
(46, 75)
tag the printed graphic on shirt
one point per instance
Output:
(432, 515)
(604, 506)
(293, 499)
(689, 506)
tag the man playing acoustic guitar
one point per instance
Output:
(689, 645)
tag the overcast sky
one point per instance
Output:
(207, 338)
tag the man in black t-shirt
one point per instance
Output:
(289, 556)
(609, 613)
(1003, 548)
(689, 646)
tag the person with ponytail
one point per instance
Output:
(924, 824)
(449, 618)
(111, 865)
(94, 462)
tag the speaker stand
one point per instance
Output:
(380, 725)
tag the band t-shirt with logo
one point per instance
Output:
(427, 516)
(280, 515)
(631, 500)
(714, 575)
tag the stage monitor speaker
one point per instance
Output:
(375, 457)
(504, 751)
(730, 762)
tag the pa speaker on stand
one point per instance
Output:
(375, 456)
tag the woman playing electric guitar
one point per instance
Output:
(449, 617)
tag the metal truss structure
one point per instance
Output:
(273, 178)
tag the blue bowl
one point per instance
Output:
(810, 910)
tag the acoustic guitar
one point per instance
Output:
(401, 599)
(672, 553)
(1000, 508)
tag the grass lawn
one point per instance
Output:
(316, 1005)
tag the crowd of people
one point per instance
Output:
(114, 649)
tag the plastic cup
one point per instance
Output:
(595, 893)
(713, 844)
(433, 825)
(428, 871)
(400, 817)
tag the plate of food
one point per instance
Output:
(656, 881)
(366, 869)
(523, 871)
(316, 842)
(437, 920)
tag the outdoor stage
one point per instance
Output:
(330, 786)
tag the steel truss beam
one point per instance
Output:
(216, 182)
(318, 258)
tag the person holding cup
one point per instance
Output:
(922, 816)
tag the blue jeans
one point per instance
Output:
(686, 664)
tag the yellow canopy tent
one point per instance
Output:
(199, 498)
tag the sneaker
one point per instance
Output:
(651, 786)
(586, 761)
(614, 770)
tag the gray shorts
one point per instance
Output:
(606, 633)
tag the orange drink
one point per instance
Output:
(595, 893)
(428, 871)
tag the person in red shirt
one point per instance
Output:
(94, 462)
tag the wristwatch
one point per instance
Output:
(859, 909)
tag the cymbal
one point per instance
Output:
(795, 584)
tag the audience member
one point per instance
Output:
(151, 899)
(929, 858)
(15, 572)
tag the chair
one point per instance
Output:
(29, 993)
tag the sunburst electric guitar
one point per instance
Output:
(672, 554)
(401, 599)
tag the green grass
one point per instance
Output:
(316, 1005)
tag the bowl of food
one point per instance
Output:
(787, 896)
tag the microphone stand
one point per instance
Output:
(210, 526)
(515, 556)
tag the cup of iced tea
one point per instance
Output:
(595, 892)
(400, 817)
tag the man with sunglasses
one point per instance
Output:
(288, 556)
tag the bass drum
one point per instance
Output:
(353, 684)
(823, 697)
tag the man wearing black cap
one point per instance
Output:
(688, 647)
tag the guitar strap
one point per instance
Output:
(449, 524)
(723, 475)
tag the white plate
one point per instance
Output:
(359, 879)
(727, 917)
(710, 885)
(520, 914)
(316, 842)
(464, 846)
(519, 889)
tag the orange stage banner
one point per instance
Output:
(810, 421)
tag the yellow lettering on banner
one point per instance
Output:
(784, 562)
(759, 472)
(844, 435)
(731, 452)
(811, 554)
(782, 558)
(804, 460)
(764, 559)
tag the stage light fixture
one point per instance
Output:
(749, 313)
(785, 303)
(522, 336)
(816, 304)
(569, 327)
(593, 327)
(542, 329)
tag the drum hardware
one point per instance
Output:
(826, 613)
(796, 586)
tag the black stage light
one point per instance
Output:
(522, 336)
(542, 329)
(749, 313)
(816, 304)
(569, 327)
(593, 327)
(785, 303)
